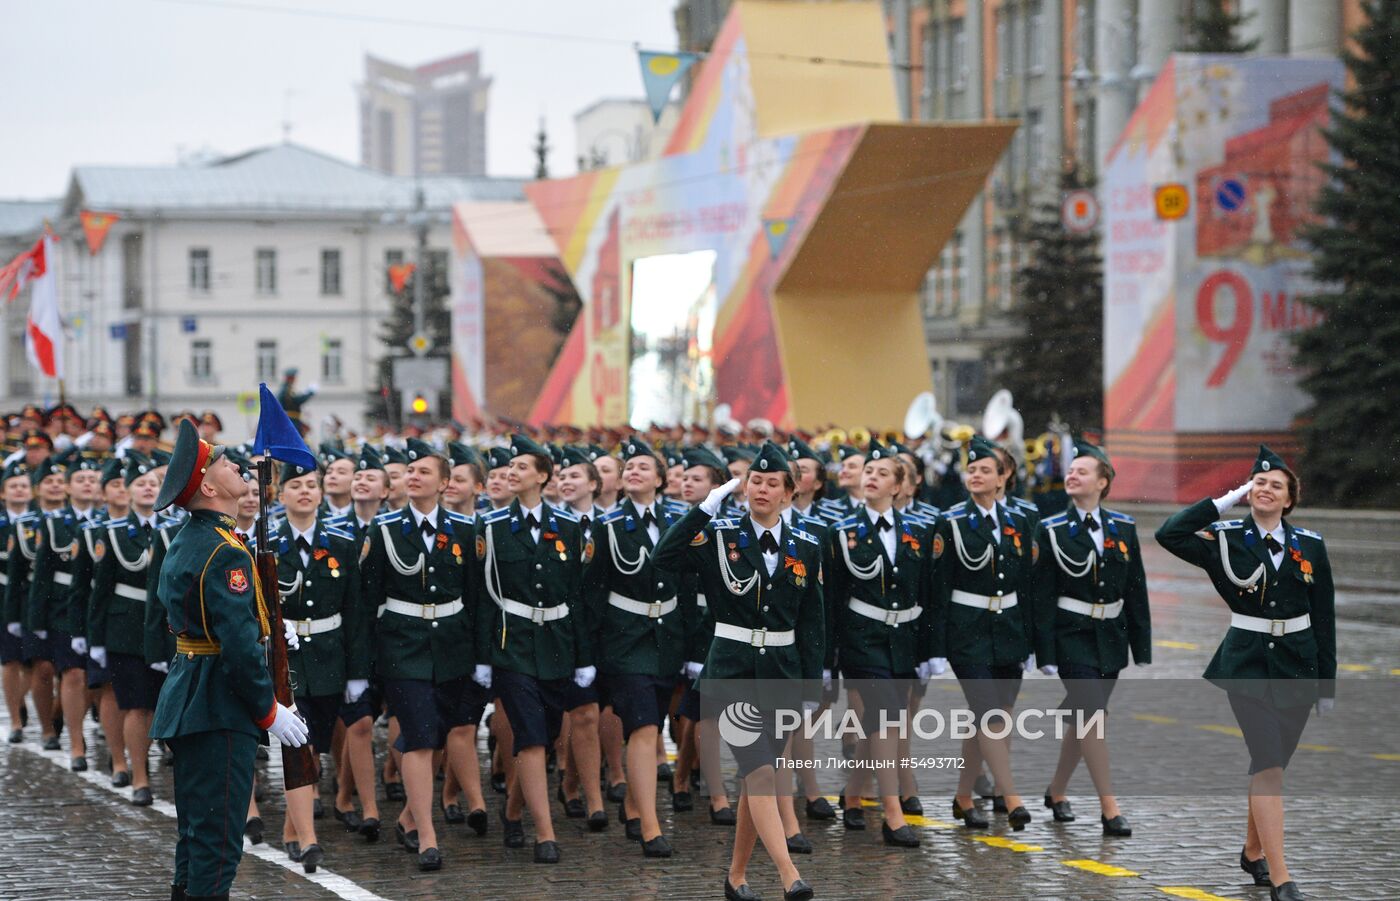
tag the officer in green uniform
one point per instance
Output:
(218, 697)
(982, 618)
(641, 633)
(1091, 608)
(18, 494)
(532, 558)
(418, 578)
(1279, 657)
(762, 579)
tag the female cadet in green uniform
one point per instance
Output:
(17, 495)
(1279, 657)
(640, 632)
(762, 579)
(982, 619)
(417, 577)
(1091, 608)
(532, 560)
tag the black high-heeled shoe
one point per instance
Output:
(912, 806)
(477, 821)
(1018, 819)
(1257, 869)
(903, 837)
(253, 830)
(971, 817)
(311, 857)
(293, 850)
(1116, 826)
(1287, 891)
(853, 818)
(799, 844)
(999, 804)
(798, 891)
(740, 893)
(429, 860)
(1059, 810)
(369, 828)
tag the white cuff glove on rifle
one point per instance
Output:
(289, 630)
(288, 728)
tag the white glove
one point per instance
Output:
(288, 727)
(41, 634)
(314, 387)
(937, 666)
(1230, 498)
(99, 656)
(1050, 669)
(692, 670)
(354, 689)
(715, 499)
(161, 666)
(14, 629)
(289, 630)
(584, 675)
(482, 675)
(1325, 705)
(826, 678)
(1028, 664)
(79, 645)
(809, 708)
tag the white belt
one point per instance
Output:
(535, 615)
(4, 578)
(701, 602)
(983, 602)
(654, 610)
(1093, 611)
(880, 614)
(422, 611)
(758, 638)
(1274, 627)
(129, 591)
(62, 578)
(307, 627)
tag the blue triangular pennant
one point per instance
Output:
(777, 232)
(660, 72)
(277, 437)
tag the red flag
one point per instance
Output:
(95, 228)
(43, 342)
(399, 274)
(17, 273)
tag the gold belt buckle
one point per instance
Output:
(654, 610)
(537, 616)
(1099, 611)
(303, 627)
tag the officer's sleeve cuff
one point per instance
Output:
(267, 721)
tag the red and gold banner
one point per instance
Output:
(399, 275)
(95, 228)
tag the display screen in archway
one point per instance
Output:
(671, 373)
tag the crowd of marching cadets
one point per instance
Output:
(576, 595)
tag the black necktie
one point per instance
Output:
(427, 526)
(1272, 544)
(883, 524)
(583, 523)
(303, 545)
(1090, 523)
(531, 523)
(647, 518)
(768, 544)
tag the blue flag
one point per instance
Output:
(777, 232)
(276, 436)
(660, 72)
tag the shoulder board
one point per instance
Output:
(338, 520)
(1120, 517)
(460, 518)
(1024, 504)
(1058, 519)
(610, 516)
(166, 521)
(926, 508)
(1014, 511)
(805, 536)
(847, 522)
(828, 503)
(954, 513)
(1307, 533)
(922, 522)
(392, 516)
(337, 532)
(104, 523)
(562, 513)
(28, 516)
(1224, 524)
(718, 524)
(495, 515)
(812, 522)
(676, 506)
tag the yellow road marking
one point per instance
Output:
(916, 820)
(1355, 667)
(996, 841)
(1101, 869)
(1395, 672)
(1195, 894)
(1223, 730)
(1179, 645)
(1324, 748)
(1386, 756)
(1155, 718)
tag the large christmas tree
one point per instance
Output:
(1213, 27)
(1351, 360)
(1054, 364)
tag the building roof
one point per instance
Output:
(505, 229)
(284, 178)
(25, 218)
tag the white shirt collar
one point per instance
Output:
(876, 517)
(432, 515)
(309, 534)
(145, 521)
(1097, 513)
(536, 511)
(776, 530)
(986, 511)
(340, 511)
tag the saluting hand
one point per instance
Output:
(715, 499)
(1230, 498)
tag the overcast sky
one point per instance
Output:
(132, 81)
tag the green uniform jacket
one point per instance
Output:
(398, 565)
(84, 568)
(513, 566)
(328, 586)
(625, 642)
(159, 641)
(967, 634)
(1027, 509)
(117, 604)
(22, 547)
(7, 549)
(209, 588)
(1233, 547)
(788, 600)
(52, 574)
(1077, 571)
(862, 570)
(819, 528)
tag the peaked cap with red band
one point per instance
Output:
(189, 462)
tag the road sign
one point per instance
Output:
(420, 344)
(1173, 201)
(1079, 211)
(1229, 194)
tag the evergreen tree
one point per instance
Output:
(397, 328)
(541, 151)
(1351, 359)
(1213, 27)
(1053, 365)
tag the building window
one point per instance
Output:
(957, 61)
(266, 260)
(199, 270)
(267, 361)
(1035, 143)
(332, 361)
(960, 271)
(392, 258)
(330, 272)
(201, 361)
(1037, 38)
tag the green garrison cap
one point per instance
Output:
(111, 471)
(574, 455)
(1267, 461)
(47, 467)
(162, 458)
(771, 458)
(801, 450)
(291, 471)
(595, 451)
(524, 444)
(556, 454)
(636, 447)
(81, 461)
(896, 448)
(700, 456)
(418, 449)
(136, 466)
(1083, 448)
(189, 461)
(733, 454)
(369, 458)
(497, 458)
(877, 451)
(980, 449)
(17, 469)
(394, 455)
(461, 455)
(848, 450)
(330, 452)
